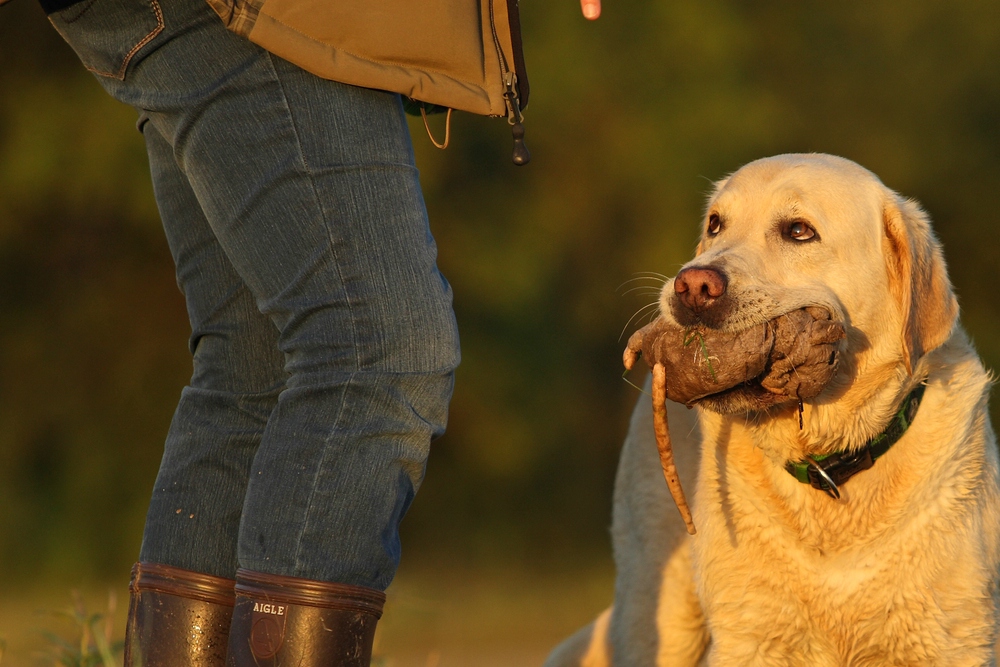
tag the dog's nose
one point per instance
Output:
(699, 288)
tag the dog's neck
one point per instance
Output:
(828, 472)
(746, 457)
(846, 417)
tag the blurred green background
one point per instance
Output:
(630, 120)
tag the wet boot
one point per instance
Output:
(291, 621)
(177, 618)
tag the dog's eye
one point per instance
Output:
(714, 225)
(798, 230)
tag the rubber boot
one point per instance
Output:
(177, 618)
(291, 621)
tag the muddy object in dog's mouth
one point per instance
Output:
(790, 358)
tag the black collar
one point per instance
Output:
(828, 472)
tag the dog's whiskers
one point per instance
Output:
(637, 313)
(653, 274)
(657, 280)
(650, 291)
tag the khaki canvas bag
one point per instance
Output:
(442, 54)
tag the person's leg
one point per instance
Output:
(309, 188)
(194, 514)
(320, 213)
(183, 590)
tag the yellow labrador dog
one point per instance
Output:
(903, 568)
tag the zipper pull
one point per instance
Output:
(521, 155)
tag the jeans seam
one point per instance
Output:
(319, 203)
(273, 391)
(316, 472)
(120, 74)
(352, 166)
(354, 332)
(80, 11)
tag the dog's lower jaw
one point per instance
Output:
(749, 398)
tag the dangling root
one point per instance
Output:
(663, 445)
(628, 358)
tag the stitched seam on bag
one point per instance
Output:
(380, 62)
(120, 74)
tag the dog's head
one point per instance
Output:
(795, 231)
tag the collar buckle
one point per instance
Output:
(827, 475)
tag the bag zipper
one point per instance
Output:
(521, 156)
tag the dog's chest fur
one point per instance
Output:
(896, 573)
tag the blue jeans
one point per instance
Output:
(323, 337)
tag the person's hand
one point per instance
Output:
(591, 8)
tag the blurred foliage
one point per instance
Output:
(92, 642)
(630, 120)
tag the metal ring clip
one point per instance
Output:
(832, 490)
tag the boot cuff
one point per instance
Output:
(183, 583)
(294, 590)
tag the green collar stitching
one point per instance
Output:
(829, 471)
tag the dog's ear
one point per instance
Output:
(918, 279)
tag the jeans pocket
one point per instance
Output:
(106, 34)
